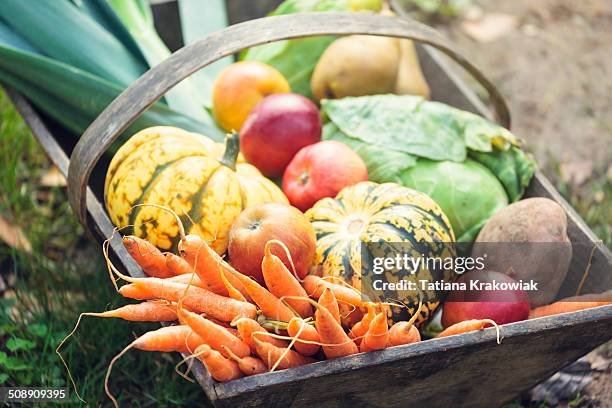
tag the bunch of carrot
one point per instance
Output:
(237, 327)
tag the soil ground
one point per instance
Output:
(555, 68)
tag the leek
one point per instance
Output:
(198, 19)
(183, 96)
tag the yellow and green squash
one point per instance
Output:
(206, 183)
(371, 212)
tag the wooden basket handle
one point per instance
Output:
(153, 84)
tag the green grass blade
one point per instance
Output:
(75, 98)
(61, 31)
(183, 97)
(198, 19)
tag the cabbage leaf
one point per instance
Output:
(471, 166)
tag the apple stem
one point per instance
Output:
(232, 148)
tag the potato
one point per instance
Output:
(531, 243)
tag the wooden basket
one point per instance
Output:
(468, 370)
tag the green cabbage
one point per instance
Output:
(469, 165)
(468, 193)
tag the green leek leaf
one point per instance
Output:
(75, 98)
(61, 31)
(183, 97)
(104, 15)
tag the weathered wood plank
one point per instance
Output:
(470, 370)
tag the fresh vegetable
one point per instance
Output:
(370, 212)
(403, 333)
(502, 306)
(177, 265)
(153, 311)
(438, 179)
(150, 259)
(321, 170)
(282, 283)
(220, 368)
(329, 302)
(283, 358)
(296, 59)
(276, 129)
(377, 336)
(258, 225)
(183, 172)
(360, 328)
(71, 59)
(184, 95)
(168, 339)
(528, 241)
(315, 286)
(395, 135)
(206, 263)
(240, 87)
(218, 337)
(248, 365)
(334, 340)
(194, 298)
(271, 306)
(248, 329)
(304, 333)
(358, 65)
(573, 304)
(467, 326)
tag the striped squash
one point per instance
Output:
(206, 183)
(371, 212)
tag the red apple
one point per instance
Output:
(501, 306)
(321, 170)
(277, 127)
(257, 225)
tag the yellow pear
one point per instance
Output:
(360, 65)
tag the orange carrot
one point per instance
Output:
(281, 282)
(572, 304)
(360, 328)
(315, 286)
(248, 365)
(406, 332)
(231, 290)
(283, 357)
(246, 328)
(153, 311)
(165, 339)
(335, 341)
(207, 264)
(403, 333)
(308, 333)
(219, 367)
(468, 326)
(193, 298)
(270, 305)
(187, 279)
(328, 301)
(177, 265)
(377, 336)
(350, 315)
(178, 338)
(150, 259)
(213, 334)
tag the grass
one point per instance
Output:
(62, 277)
